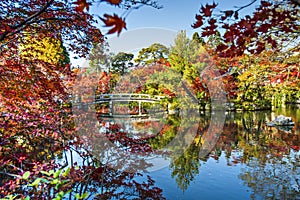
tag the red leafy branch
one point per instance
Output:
(18, 27)
(267, 28)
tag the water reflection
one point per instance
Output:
(245, 159)
(267, 157)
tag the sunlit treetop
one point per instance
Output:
(44, 48)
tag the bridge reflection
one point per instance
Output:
(135, 126)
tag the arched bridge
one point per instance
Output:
(127, 97)
(124, 97)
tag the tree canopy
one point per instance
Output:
(274, 25)
(121, 63)
(152, 54)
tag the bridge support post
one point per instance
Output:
(111, 108)
(140, 107)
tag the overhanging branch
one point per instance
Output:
(18, 27)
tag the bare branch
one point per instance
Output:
(246, 5)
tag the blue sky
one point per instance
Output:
(175, 14)
(148, 25)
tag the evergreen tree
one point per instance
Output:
(100, 58)
(152, 54)
(121, 63)
(184, 55)
(198, 39)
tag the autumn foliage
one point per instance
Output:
(37, 125)
(272, 25)
(255, 57)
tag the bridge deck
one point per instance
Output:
(123, 97)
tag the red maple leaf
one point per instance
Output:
(81, 5)
(221, 47)
(116, 22)
(229, 36)
(228, 13)
(265, 4)
(212, 6)
(113, 2)
(264, 28)
(206, 10)
(212, 22)
(199, 21)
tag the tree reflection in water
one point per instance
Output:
(187, 166)
(272, 159)
(36, 166)
(269, 157)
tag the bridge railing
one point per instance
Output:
(128, 96)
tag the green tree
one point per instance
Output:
(185, 53)
(253, 93)
(152, 54)
(198, 39)
(100, 58)
(185, 57)
(121, 63)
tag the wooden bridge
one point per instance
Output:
(124, 97)
(127, 97)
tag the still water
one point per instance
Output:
(242, 158)
(249, 161)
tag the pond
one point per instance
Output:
(180, 156)
(247, 159)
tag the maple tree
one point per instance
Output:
(268, 38)
(272, 26)
(36, 122)
(185, 57)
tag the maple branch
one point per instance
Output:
(34, 15)
(21, 25)
(33, 22)
(246, 5)
(50, 19)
